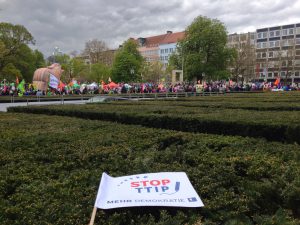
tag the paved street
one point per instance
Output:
(4, 106)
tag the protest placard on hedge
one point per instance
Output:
(151, 189)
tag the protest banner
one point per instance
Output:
(54, 82)
(152, 189)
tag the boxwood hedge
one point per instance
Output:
(283, 126)
(51, 166)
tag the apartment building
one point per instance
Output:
(278, 53)
(160, 47)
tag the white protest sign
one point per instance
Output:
(53, 81)
(151, 189)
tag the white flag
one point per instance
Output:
(53, 81)
(152, 189)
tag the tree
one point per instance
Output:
(203, 51)
(243, 60)
(94, 50)
(25, 61)
(3, 50)
(152, 71)
(100, 71)
(39, 59)
(16, 57)
(78, 68)
(10, 72)
(13, 37)
(128, 62)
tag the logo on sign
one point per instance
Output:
(160, 186)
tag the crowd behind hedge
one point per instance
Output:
(75, 87)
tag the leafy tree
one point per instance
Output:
(39, 59)
(78, 68)
(203, 51)
(25, 61)
(10, 72)
(16, 58)
(152, 71)
(13, 37)
(128, 63)
(3, 50)
(99, 71)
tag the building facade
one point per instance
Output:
(278, 53)
(159, 48)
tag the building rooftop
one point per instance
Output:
(167, 38)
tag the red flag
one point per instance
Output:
(61, 85)
(257, 70)
(277, 81)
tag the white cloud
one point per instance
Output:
(70, 23)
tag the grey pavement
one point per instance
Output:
(4, 106)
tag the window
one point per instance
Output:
(264, 45)
(298, 52)
(264, 55)
(283, 53)
(271, 54)
(262, 35)
(262, 65)
(285, 43)
(282, 73)
(270, 74)
(291, 42)
(166, 50)
(262, 75)
(283, 63)
(258, 55)
(297, 73)
(298, 30)
(275, 74)
(297, 62)
(166, 57)
(291, 31)
(259, 35)
(297, 41)
(272, 44)
(284, 32)
(274, 33)
(171, 50)
(258, 45)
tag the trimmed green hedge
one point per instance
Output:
(51, 166)
(281, 126)
(221, 104)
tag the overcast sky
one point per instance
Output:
(68, 24)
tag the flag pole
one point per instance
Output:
(93, 216)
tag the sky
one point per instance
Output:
(69, 24)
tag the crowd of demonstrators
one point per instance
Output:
(76, 88)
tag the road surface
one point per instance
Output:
(4, 106)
